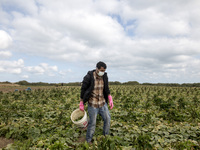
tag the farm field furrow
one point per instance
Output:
(143, 117)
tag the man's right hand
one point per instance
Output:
(81, 106)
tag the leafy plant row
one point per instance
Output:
(143, 117)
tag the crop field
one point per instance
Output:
(143, 117)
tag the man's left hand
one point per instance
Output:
(110, 101)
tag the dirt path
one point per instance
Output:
(12, 87)
(4, 142)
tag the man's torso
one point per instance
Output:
(97, 98)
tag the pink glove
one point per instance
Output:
(110, 101)
(81, 106)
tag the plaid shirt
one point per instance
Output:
(97, 98)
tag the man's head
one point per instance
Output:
(101, 68)
(101, 64)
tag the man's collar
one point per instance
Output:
(96, 75)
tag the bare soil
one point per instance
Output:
(4, 84)
(81, 139)
(12, 87)
(4, 142)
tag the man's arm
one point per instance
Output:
(85, 86)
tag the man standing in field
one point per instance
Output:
(95, 91)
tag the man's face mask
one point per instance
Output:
(100, 73)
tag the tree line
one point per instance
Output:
(24, 82)
(156, 84)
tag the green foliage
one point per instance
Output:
(142, 141)
(143, 117)
(186, 145)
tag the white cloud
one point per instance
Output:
(29, 7)
(107, 7)
(25, 76)
(5, 40)
(65, 72)
(5, 54)
(161, 25)
(42, 69)
(162, 18)
(67, 39)
(155, 38)
(11, 66)
(18, 67)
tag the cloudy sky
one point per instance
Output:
(60, 41)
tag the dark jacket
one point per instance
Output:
(88, 86)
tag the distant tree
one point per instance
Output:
(23, 82)
(191, 84)
(131, 83)
(73, 84)
(6, 82)
(115, 83)
(147, 84)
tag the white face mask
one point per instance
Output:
(100, 73)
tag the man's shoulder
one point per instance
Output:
(90, 72)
